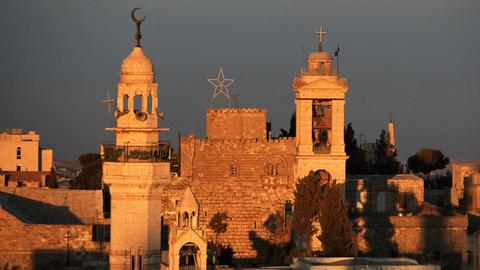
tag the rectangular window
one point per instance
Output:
(132, 262)
(19, 153)
(19, 168)
(139, 262)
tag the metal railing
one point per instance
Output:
(159, 152)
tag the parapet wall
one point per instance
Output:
(233, 123)
(42, 246)
(54, 206)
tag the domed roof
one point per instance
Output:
(137, 68)
(319, 57)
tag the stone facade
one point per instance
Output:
(20, 151)
(463, 175)
(55, 206)
(250, 180)
(236, 124)
(384, 194)
(44, 246)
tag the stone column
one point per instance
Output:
(304, 126)
(338, 144)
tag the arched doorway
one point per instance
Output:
(189, 257)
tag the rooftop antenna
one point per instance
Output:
(302, 59)
(109, 101)
(337, 56)
(234, 100)
(221, 86)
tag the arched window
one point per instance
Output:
(19, 153)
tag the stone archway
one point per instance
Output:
(189, 257)
(188, 250)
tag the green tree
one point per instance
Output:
(318, 199)
(90, 176)
(218, 224)
(356, 162)
(307, 194)
(336, 234)
(426, 160)
(292, 130)
(386, 157)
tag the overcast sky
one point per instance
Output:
(417, 59)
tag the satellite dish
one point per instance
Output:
(161, 115)
(141, 116)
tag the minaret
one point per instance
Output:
(136, 166)
(391, 133)
(320, 101)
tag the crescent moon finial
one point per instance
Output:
(137, 22)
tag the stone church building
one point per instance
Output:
(238, 171)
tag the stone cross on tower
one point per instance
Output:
(321, 34)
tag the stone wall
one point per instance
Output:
(431, 238)
(252, 196)
(41, 246)
(387, 194)
(54, 206)
(236, 123)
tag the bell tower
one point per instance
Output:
(136, 166)
(319, 101)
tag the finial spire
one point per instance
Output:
(321, 34)
(138, 22)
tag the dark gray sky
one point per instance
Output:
(417, 59)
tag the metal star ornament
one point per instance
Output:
(221, 85)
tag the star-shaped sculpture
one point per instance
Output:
(221, 85)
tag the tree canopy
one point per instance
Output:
(90, 176)
(427, 160)
(356, 162)
(386, 157)
(318, 199)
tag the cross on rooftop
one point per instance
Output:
(321, 34)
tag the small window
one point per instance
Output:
(125, 103)
(149, 104)
(19, 153)
(132, 262)
(19, 168)
(139, 262)
(137, 103)
(233, 170)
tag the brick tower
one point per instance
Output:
(320, 101)
(136, 166)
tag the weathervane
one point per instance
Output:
(138, 22)
(321, 34)
(221, 85)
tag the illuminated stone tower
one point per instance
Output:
(136, 166)
(320, 101)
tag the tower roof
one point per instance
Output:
(137, 68)
(189, 202)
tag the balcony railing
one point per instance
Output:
(159, 152)
(321, 149)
